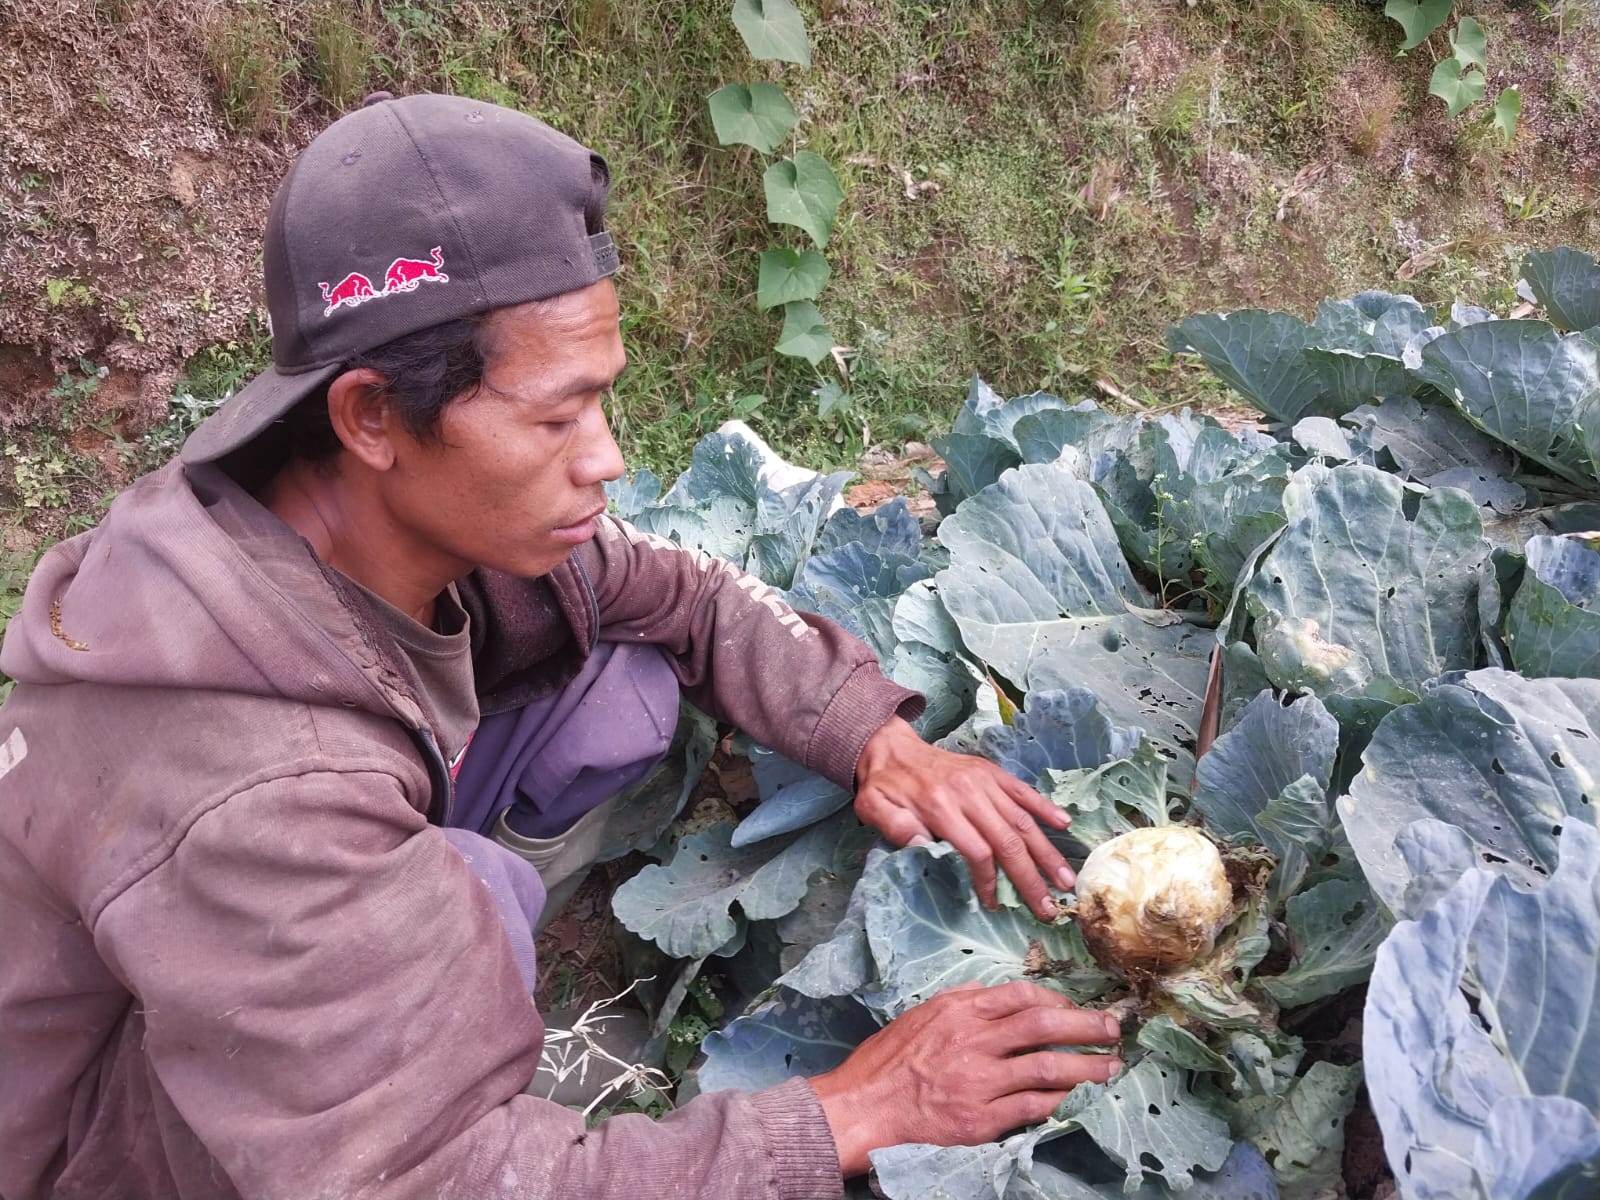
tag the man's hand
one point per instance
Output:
(962, 1069)
(909, 790)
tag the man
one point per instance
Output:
(258, 942)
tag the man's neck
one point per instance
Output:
(349, 530)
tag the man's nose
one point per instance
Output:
(601, 459)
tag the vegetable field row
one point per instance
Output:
(1389, 606)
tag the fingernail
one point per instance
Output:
(1048, 910)
(1113, 1026)
(920, 839)
(1066, 878)
(1113, 1068)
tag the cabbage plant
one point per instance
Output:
(1388, 602)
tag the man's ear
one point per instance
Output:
(358, 409)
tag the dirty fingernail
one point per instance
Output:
(1048, 909)
(1066, 878)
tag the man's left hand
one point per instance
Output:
(910, 791)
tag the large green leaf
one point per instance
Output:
(1553, 627)
(1148, 1120)
(1567, 283)
(805, 334)
(1056, 731)
(789, 275)
(994, 1171)
(1528, 385)
(791, 798)
(686, 906)
(1427, 440)
(1357, 598)
(1258, 354)
(728, 503)
(1043, 537)
(803, 191)
(773, 30)
(1041, 593)
(858, 589)
(757, 115)
(1507, 761)
(1381, 323)
(1418, 18)
(1347, 378)
(972, 462)
(1259, 763)
(1041, 436)
(1334, 932)
(842, 964)
(1497, 1098)
(1113, 798)
(786, 1036)
(1302, 1134)
(1355, 348)
(928, 932)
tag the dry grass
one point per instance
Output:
(342, 54)
(251, 59)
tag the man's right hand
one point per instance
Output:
(962, 1069)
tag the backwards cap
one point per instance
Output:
(404, 214)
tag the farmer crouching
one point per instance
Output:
(296, 723)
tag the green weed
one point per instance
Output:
(210, 378)
(251, 60)
(342, 52)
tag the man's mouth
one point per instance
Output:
(579, 531)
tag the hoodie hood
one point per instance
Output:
(189, 582)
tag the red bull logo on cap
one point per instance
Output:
(403, 275)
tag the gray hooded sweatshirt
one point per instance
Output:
(233, 937)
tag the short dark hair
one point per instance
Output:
(423, 372)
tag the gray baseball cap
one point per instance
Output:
(404, 214)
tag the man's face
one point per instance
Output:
(517, 483)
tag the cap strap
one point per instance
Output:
(605, 253)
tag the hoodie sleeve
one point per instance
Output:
(330, 1002)
(794, 681)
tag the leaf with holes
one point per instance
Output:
(1147, 1120)
(1553, 626)
(1500, 1097)
(928, 932)
(1527, 385)
(1363, 597)
(787, 1036)
(1334, 931)
(1040, 591)
(1509, 762)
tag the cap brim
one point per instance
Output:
(263, 400)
